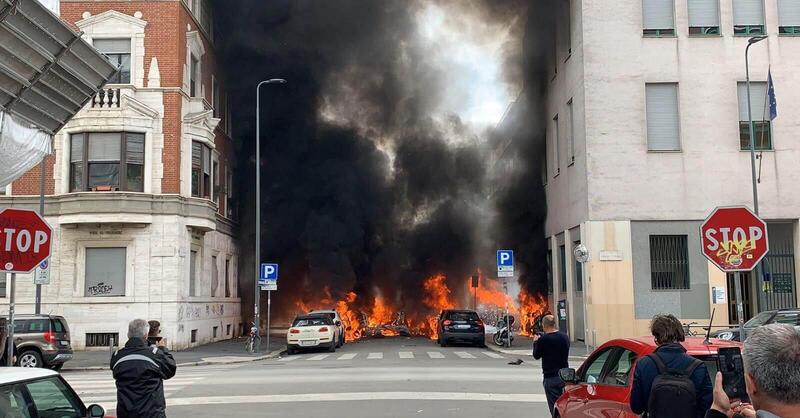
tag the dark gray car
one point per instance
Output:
(42, 341)
(790, 316)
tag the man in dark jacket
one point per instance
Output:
(668, 333)
(553, 348)
(140, 370)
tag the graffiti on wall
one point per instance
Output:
(195, 312)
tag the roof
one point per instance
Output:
(693, 345)
(18, 374)
(327, 311)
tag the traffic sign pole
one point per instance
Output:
(11, 304)
(269, 311)
(737, 279)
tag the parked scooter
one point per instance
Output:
(502, 338)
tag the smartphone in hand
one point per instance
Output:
(731, 365)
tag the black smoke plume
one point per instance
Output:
(363, 189)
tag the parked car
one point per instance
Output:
(312, 331)
(337, 322)
(42, 341)
(460, 326)
(601, 387)
(41, 393)
(789, 316)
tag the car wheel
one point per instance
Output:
(443, 343)
(291, 350)
(30, 358)
(56, 367)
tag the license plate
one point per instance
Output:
(308, 343)
(462, 327)
(64, 343)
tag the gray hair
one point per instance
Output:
(138, 328)
(772, 356)
(549, 321)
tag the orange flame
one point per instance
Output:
(532, 307)
(437, 297)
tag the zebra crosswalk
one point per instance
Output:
(404, 355)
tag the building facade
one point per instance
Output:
(139, 189)
(646, 134)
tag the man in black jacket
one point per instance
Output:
(140, 370)
(553, 349)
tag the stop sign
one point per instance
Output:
(24, 240)
(734, 238)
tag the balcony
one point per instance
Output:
(107, 98)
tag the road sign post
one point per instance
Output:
(735, 240)
(268, 280)
(505, 269)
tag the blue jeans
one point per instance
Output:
(553, 388)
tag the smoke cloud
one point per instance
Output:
(375, 154)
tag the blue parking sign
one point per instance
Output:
(269, 272)
(505, 258)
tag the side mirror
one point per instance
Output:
(568, 375)
(96, 411)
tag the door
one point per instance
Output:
(582, 397)
(618, 379)
(746, 300)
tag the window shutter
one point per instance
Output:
(135, 143)
(104, 146)
(105, 271)
(758, 98)
(76, 148)
(748, 12)
(703, 13)
(663, 124)
(789, 12)
(113, 46)
(658, 14)
(197, 155)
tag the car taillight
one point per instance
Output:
(447, 322)
(50, 337)
(479, 323)
(294, 331)
(323, 329)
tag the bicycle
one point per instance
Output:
(253, 343)
(687, 329)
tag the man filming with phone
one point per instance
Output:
(771, 374)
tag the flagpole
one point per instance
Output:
(758, 279)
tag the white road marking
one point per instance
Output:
(464, 354)
(406, 354)
(492, 355)
(348, 356)
(374, 356)
(318, 357)
(361, 396)
(288, 358)
(435, 354)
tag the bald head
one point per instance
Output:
(549, 323)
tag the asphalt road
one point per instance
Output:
(392, 377)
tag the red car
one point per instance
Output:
(601, 387)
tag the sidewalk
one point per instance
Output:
(222, 352)
(523, 346)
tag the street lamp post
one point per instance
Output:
(751, 42)
(257, 294)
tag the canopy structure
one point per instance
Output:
(47, 74)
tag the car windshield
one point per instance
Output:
(53, 399)
(759, 319)
(310, 322)
(463, 316)
(12, 402)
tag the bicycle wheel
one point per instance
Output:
(248, 346)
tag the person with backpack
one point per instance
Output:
(669, 383)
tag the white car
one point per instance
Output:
(27, 392)
(337, 321)
(312, 331)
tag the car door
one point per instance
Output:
(581, 398)
(617, 381)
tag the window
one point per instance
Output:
(194, 77)
(194, 336)
(748, 17)
(104, 161)
(571, 125)
(669, 262)
(789, 318)
(228, 114)
(549, 271)
(228, 329)
(105, 271)
(101, 339)
(663, 123)
(214, 276)
(215, 104)
(12, 400)
(566, 27)
(760, 108)
(620, 370)
(562, 256)
(230, 203)
(578, 272)
(215, 174)
(545, 174)
(228, 279)
(594, 367)
(556, 146)
(192, 273)
(703, 17)
(2, 285)
(52, 398)
(118, 52)
(658, 17)
(214, 331)
(38, 326)
(201, 170)
(789, 17)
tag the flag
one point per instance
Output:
(773, 104)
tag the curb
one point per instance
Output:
(271, 355)
(497, 349)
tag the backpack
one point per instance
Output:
(673, 393)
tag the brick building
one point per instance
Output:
(139, 189)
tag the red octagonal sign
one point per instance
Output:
(734, 239)
(24, 240)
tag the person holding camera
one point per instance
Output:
(139, 370)
(771, 375)
(552, 347)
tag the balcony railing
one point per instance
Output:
(107, 98)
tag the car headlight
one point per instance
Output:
(725, 335)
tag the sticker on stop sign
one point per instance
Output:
(25, 240)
